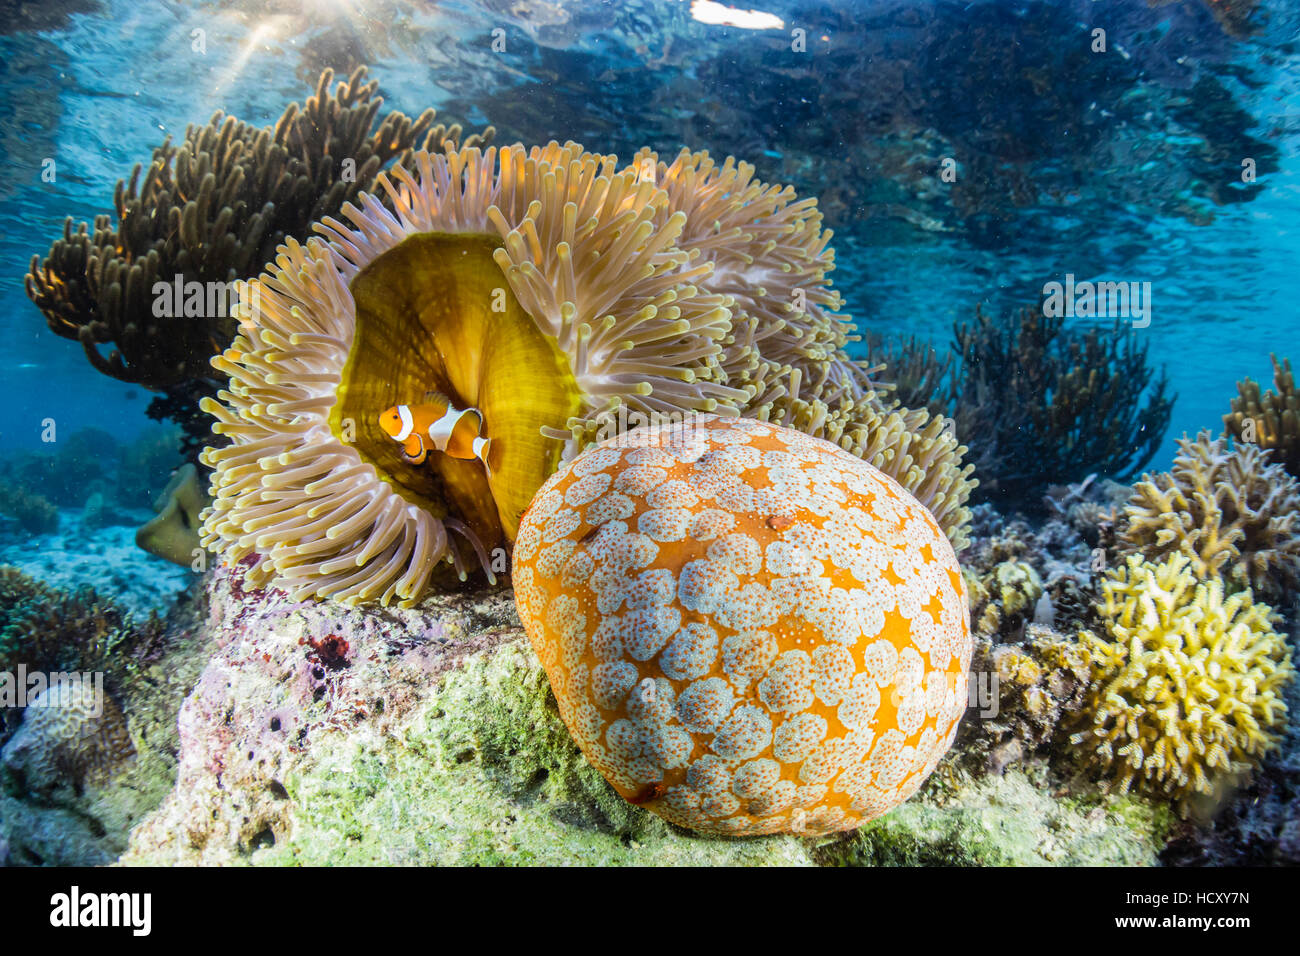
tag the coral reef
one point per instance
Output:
(173, 533)
(1050, 405)
(70, 736)
(1040, 685)
(443, 709)
(34, 513)
(586, 294)
(1053, 564)
(1003, 600)
(52, 630)
(94, 546)
(1015, 819)
(77, 775)
(211, 211)
(1232, 511)
(1188, 684)
(794, 649)
(1091, 507)
(1274, 417)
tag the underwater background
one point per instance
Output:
(1123, 167)
(966, 155)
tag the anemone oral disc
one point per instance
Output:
(471, 340)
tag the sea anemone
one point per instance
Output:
(747, 630)
(1187, 685)
(173, 532)
(565, 299)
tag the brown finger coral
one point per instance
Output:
(208, 212)
(1270, 420)
(565, 298)
(748, 630)
(1231, 511)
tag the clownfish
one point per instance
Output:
(437, 425)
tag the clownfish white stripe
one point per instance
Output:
(408, 423)
(480, 449)
(440, 431)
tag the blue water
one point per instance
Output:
(1124, 165)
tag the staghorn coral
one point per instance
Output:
(564, 297)
(1050, 405)
(442, 744)
(1232, 512)
(1274, 416)
(794, 649)
(1187, 683)
(213, 210)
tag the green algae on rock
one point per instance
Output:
(1010, 820)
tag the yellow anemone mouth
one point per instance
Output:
(434, 313)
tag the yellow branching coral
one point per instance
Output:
(561, 296)
(1233, 512)
(1187, 685)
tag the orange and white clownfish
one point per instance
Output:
(437, 425)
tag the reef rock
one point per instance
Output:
(323, 734)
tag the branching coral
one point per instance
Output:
(1052, 405)
(1188, 682)
(211, 211)
(1232, 512)
(564, 297)
(1274, 417)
